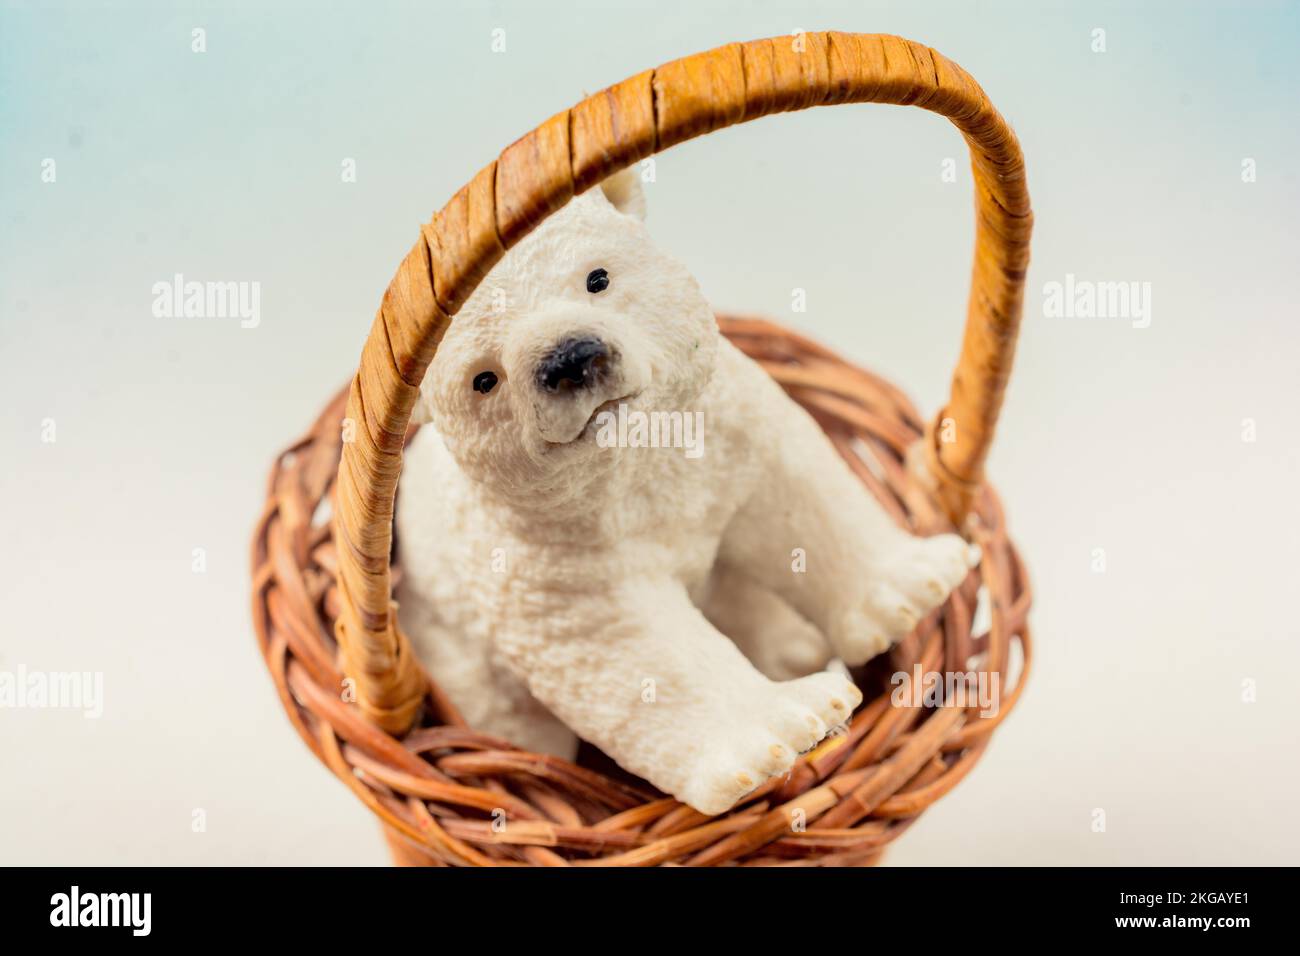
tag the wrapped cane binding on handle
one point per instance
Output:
(574, 150)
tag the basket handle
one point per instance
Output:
(571, 152)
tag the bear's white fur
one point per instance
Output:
(646, 600)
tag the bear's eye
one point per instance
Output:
(597, 281)
(484, 382)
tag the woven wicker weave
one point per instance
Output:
(449, 795)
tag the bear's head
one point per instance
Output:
(583, 314)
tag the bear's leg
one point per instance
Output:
(487, 693)
(638, 671)
(813, 534)
(774, 636)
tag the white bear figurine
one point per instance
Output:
(646, 599)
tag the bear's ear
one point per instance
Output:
(422, 411)
(624, 192)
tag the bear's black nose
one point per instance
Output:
(574, 363)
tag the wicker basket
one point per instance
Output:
(322, 602)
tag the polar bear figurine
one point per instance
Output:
(675, 606)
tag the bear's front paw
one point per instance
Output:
(912, 581)
(763, 739)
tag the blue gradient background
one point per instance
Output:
(226, 166)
